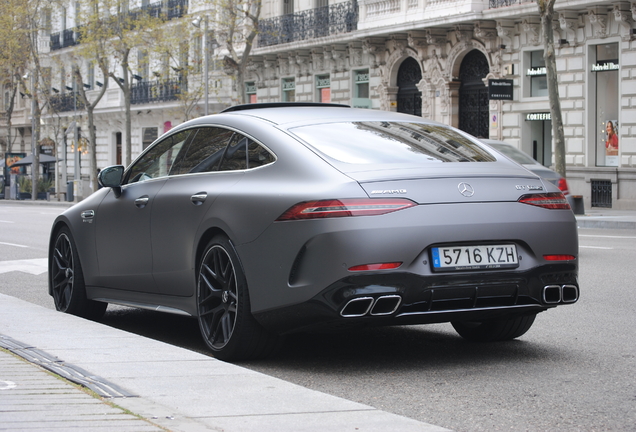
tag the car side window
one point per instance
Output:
(158, 161)
(243, 153)
(205, 151)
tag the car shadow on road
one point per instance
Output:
(374, 349)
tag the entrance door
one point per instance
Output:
(541, 136)
(473, 94)
(409, 98)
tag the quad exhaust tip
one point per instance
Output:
(361, 306)
(555, 294)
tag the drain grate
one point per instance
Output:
(68, 371)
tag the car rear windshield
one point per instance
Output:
(373, 142)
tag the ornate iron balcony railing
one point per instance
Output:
(157, 91)
(314, 23)
(65, 102)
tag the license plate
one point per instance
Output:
(482, 257)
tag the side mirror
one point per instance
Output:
(111, 177)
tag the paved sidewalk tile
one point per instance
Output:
(31, 399)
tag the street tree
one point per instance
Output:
(237, 25)
(546, 12)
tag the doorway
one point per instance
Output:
(473, 94)
(409, 98)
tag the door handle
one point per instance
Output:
(198, 198)
(142, 201)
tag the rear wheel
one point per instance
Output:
(496, 330)
(67, 280)
(224, 313)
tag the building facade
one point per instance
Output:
(474, 64)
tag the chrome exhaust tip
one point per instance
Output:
(386, 305)
(357, 307)
(552, 294)
(569, 293)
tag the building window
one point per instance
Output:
(149, 136)
(250, 91)
(288, 7)
(536, 74)
(323, 88)
(289, 90)
(361, 89)
(605, 68)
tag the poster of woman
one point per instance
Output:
(611, 143)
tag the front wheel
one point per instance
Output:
(494, 330)
(67, 280)
(224, 313)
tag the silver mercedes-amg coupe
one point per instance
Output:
(268, 219)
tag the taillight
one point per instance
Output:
(344, 208)
(559, 257)
(553, 200)
(563, 186)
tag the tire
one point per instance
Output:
(492, 331)
(66, 280)
(225, 319)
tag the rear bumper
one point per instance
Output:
(404, 298)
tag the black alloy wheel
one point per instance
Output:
(227, 325)
(67, 280)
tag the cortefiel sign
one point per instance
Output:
(500, 89)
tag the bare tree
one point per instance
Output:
(546, 11)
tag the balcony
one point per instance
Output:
(66, 102)
(167, 10)
(310, 24)
(156, 91)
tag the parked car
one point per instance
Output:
(269, 219)
(528, 162)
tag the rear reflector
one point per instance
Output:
(382, 266)
(344, 208)
(559, 257)
(553, 200)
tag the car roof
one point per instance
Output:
(297, 114)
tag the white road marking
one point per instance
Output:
(7, 385)
(32, 266)
(596, 247)
(13, 244)
(602, 236)
(4, 221)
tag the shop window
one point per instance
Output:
(323, 88)
(536, 77)
(361, 89)
(289, 89)
(605, 68)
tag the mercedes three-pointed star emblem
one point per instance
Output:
(466, 189)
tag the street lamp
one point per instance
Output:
(197, 23)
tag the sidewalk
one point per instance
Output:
(607, 218)
(168, 387)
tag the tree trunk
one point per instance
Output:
(546, 10)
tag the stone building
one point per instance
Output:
(474, 64)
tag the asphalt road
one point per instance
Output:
(573, 371)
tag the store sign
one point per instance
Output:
(603, 66)
(500, 89)
(536, 71)
(538, 116)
